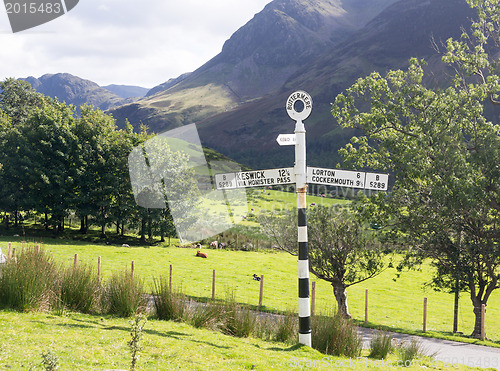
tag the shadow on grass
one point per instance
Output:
(289, 349)
(170, 334)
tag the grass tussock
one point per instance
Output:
(210, 315)
(410, 351)
(124, 295)
(80, 289)
(239, 321)
(27, 281)
(336, 335)
(169, 305)
(380, 345)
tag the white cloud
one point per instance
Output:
(124, 41)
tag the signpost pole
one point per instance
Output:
(301, 184)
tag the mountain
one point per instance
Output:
(257, 60)
(127, 91)
(75, 90)
(403, 30)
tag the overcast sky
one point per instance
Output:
(129, 42)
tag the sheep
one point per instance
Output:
(201, 254)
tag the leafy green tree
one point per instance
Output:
(48, 154)
(18, 99)
(444, 155)
(340, 250)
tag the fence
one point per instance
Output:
(11, 254)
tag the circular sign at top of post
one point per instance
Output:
(299, 96)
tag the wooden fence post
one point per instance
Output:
(170, 280)
(313, 297)
(366, 306)
(261, 290)
(213, 285)
(483, 320)
(132, 266)
(37, 249)
(75, 262)
(13, 253)
(99, 269)
(424, 328)
(9, 252)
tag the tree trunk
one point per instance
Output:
(83, 228)
(341, 296)
(143, 230)
(455, 309)
(477, 322)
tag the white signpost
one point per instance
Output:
(286, 139)
(347, 178)
(258, 178)
(301, 175)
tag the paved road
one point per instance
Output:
(449, 352)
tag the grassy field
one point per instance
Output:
(83, 342)
(395, 304)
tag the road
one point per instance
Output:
(449, 352)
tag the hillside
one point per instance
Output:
(403, 30)
(257, 60)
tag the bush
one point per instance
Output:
(169, 305)
(336, 335)
(124, 295)
(27, 282)
(79, 288)
(380, 345)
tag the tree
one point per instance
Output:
(48, 152)
(444, 155)
(18, 99)
(339, 249)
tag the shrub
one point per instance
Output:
(336, 335)
(380, 345)
(79, 288)
(169, 305)
(27, 282)
(124, 295)
(136, 333)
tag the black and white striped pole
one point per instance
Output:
(301, 185)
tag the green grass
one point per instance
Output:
(396, 306)
(84, 342)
